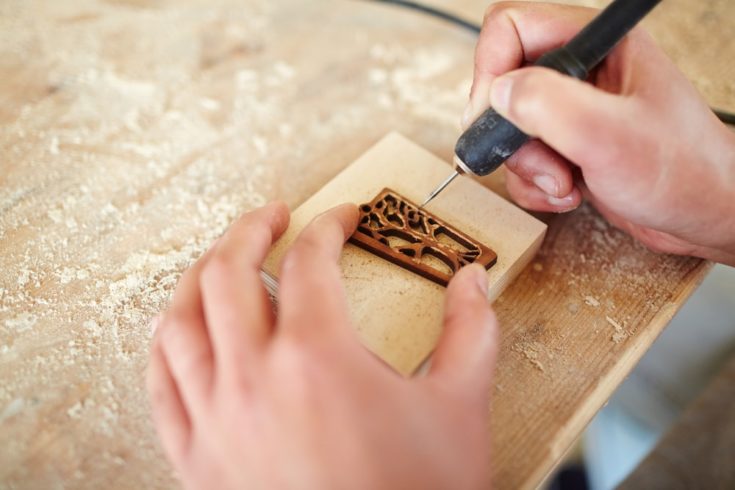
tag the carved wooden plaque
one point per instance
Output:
(395, 229)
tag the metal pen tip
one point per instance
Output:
(440, 188)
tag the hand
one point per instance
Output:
(242, 399)
(638, 141)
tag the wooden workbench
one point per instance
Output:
(133, 131)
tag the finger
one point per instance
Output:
(573, 117)
(167, 408)
(185, 345)
(465, 355)
(528, 196)
(311, 294)
(537, 163)
(514, 33)
(236, 305)
(184, 341)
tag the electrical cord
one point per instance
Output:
(440, 14)
(724, 116)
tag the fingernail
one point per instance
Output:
(562, 202)
(500, 93)
(546, 183)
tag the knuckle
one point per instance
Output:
(171, 321)
(302, 254)
(291, 262)
(251, 228)
(454, 316)
(529, 98)
(187, 358)
(310, 242)
(194, 362)
(217, 268)
(523, 95)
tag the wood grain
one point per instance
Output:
(133, 131)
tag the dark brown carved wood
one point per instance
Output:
(395, 229)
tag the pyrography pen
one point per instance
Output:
(492, 139)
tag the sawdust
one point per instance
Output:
(135, 161)
(533, 351)
(407, 79)
(132, 147)
(620, 334)
(591, 301)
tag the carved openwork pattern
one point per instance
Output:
(395, 229)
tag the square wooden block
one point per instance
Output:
(397, 313)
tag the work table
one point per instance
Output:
(132, 132)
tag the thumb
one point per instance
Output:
(465, 355)
(571, 116)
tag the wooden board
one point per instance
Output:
(132, 132)
(398, 313)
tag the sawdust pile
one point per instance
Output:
(132, 133)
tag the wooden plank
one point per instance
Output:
(573, 326)
(396, 312)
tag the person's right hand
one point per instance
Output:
(637, 139)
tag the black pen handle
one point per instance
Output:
(492, 139)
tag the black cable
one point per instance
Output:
(724, 116)
(434, 12)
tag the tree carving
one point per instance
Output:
(395, 229)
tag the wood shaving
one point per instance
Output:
(619, 335)
(591, 301)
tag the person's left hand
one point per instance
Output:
(242, 399)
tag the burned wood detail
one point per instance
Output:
(394, 228)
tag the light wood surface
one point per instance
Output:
(397, 313)
(133, 131)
